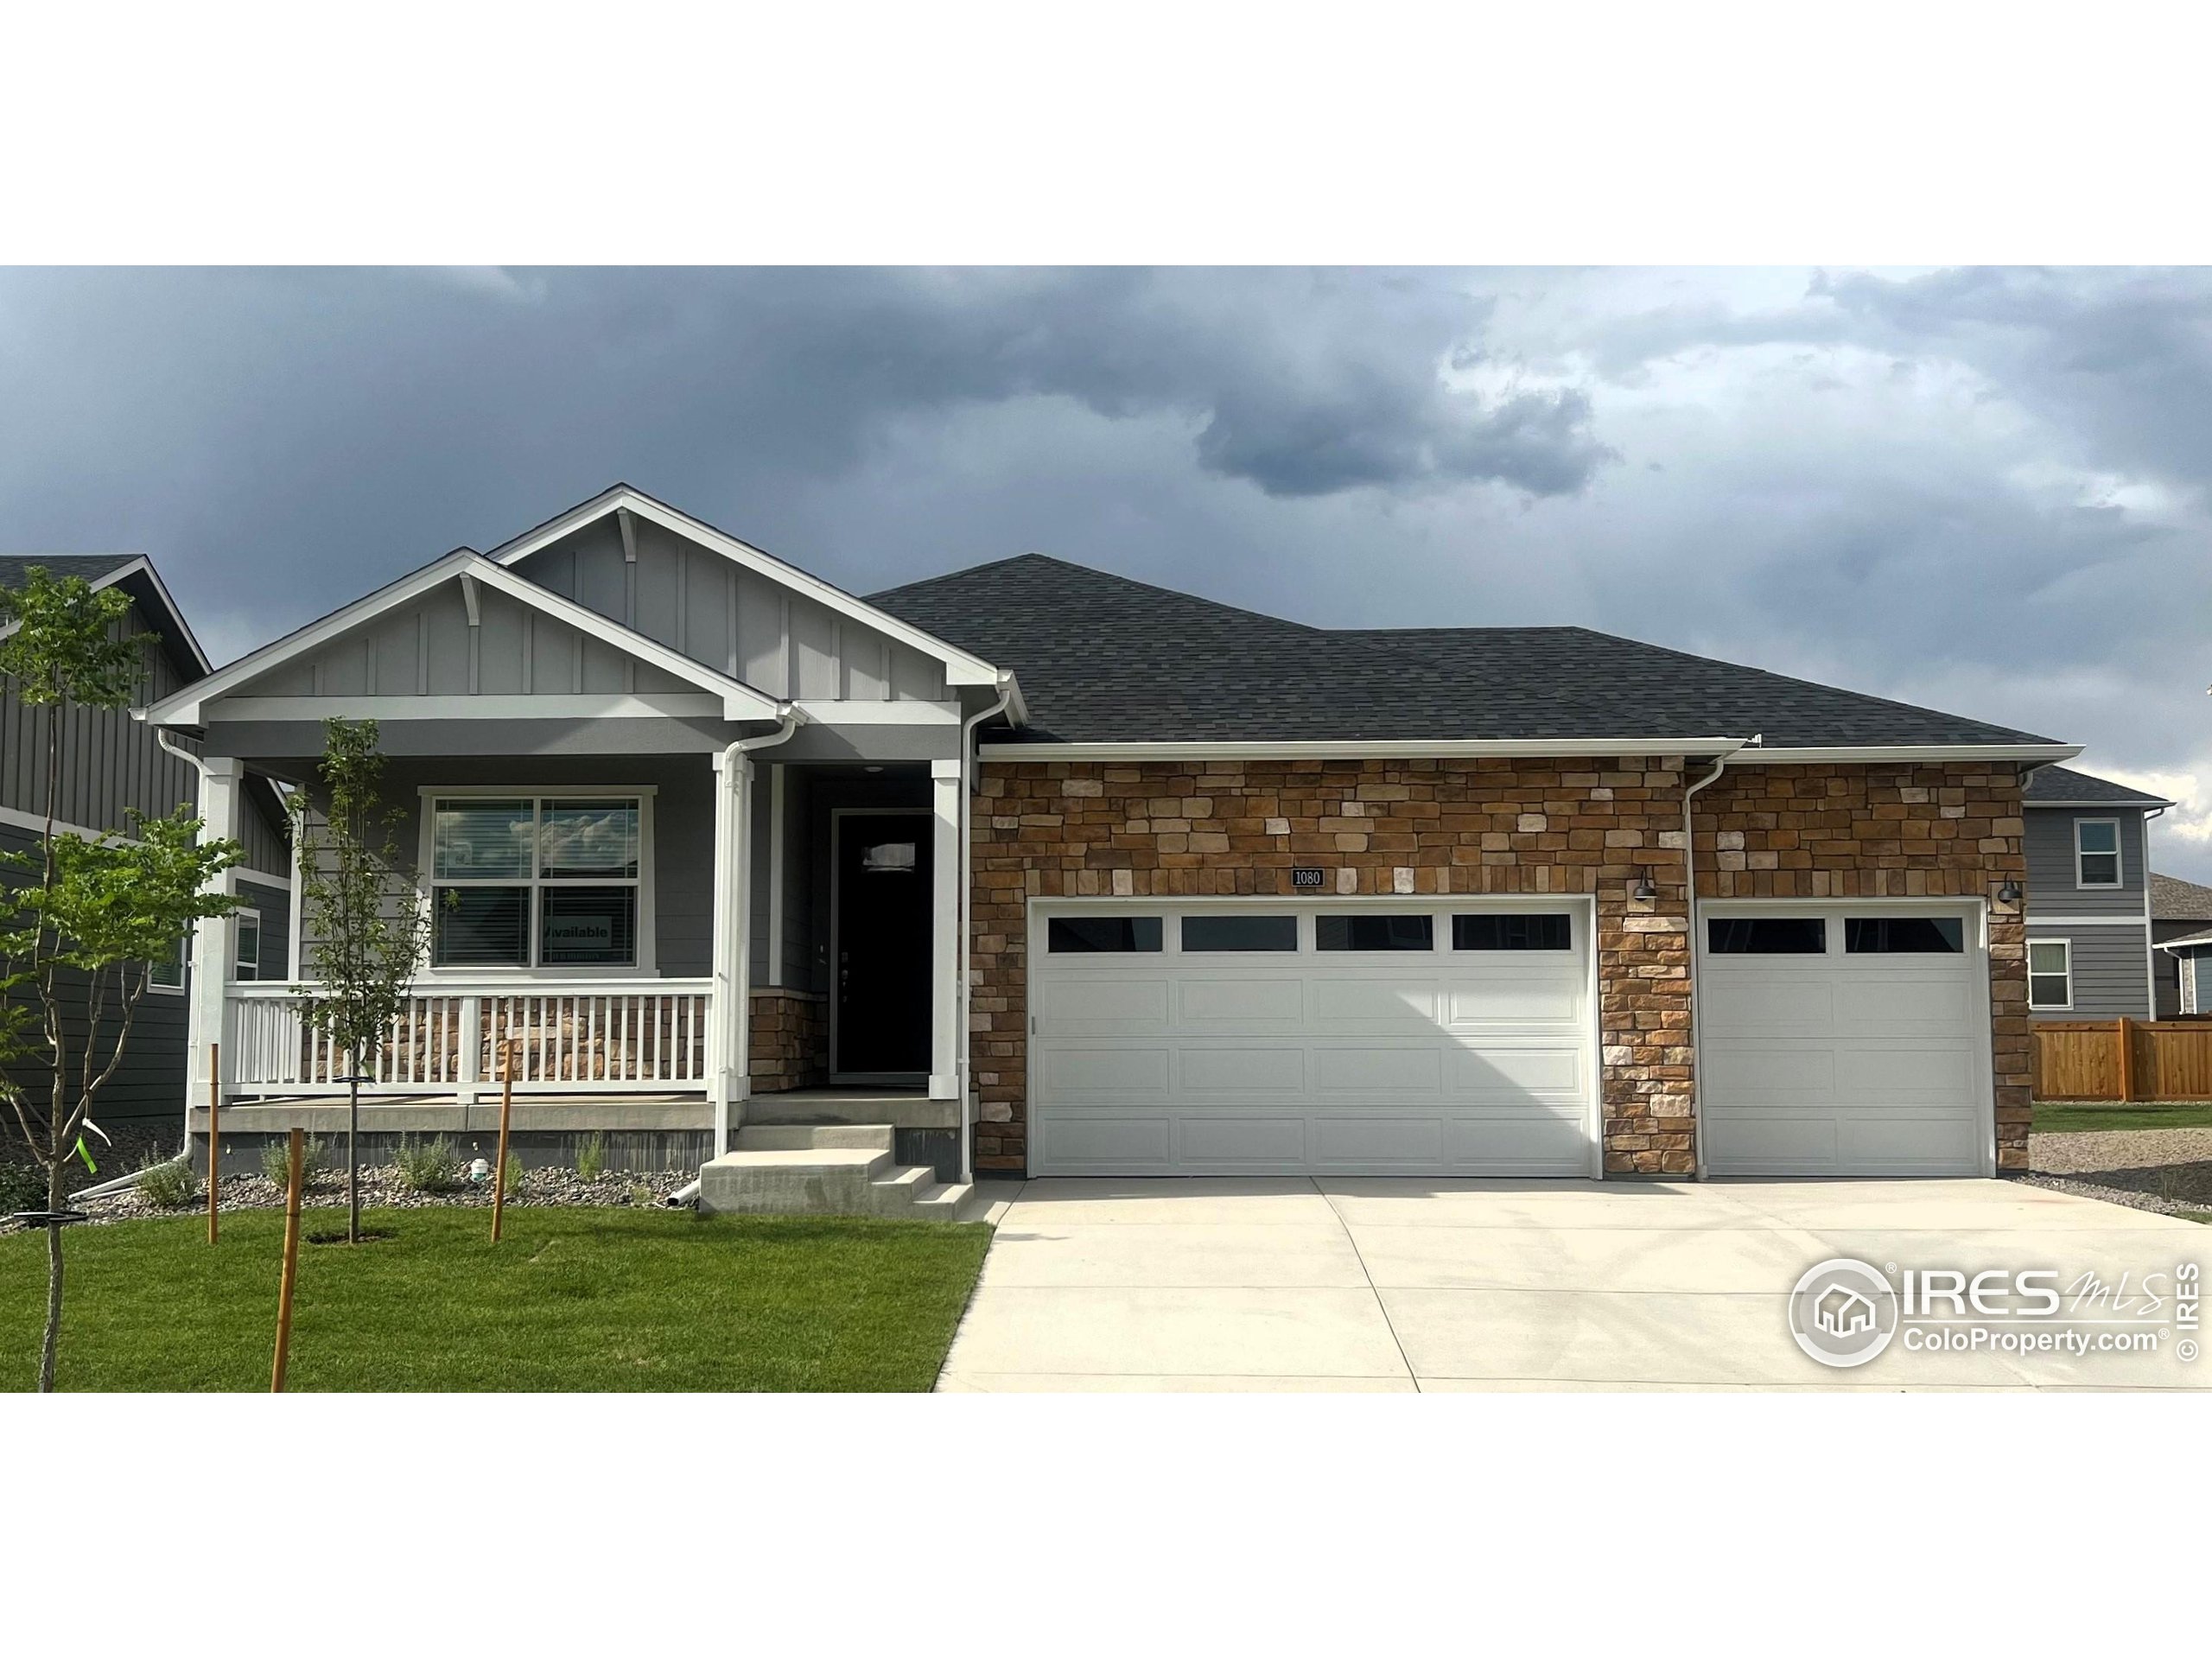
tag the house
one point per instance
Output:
(2089, 955)
(2181, 912)
(1031, 867)
(113, 766)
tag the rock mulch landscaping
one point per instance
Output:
(383, 1188)
(2168, 1172)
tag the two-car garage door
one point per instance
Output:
(1248, 1037)
(1258, 1037)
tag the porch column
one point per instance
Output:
(945, 944)
(729, 1027)
(221, 784)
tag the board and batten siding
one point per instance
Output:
(2111, 973)
(2051, 886)
(149, 1081)
(735, 620)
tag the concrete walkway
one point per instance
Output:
(1402, 1285)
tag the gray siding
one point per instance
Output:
(2168, 965)
(111, 763)
(275, 904)
(2052, 889)
(2108, 971)
(149, 1082)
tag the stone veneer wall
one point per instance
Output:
(789, 1042)
(1172, 829)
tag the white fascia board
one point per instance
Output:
(188, 705)
(1363, 749)
(861, 711)
(960, 667)
(1932, 752)
(2105, 806)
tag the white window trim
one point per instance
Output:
(2119, 857)
(184, 972)
(2034, 1006)
(648, 963)
(246, 913)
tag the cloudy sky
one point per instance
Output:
(1982, 489)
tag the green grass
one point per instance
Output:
(573, 1299)
(2085, 1117)
(2204, 1217)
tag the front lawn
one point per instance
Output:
(573, 1299)
(2086, 1117)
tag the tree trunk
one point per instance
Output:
(353, 1161)
(52, 1282)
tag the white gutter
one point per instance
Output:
(2041, 753)
(1689, 901)
(1008, 691)
(736, 973)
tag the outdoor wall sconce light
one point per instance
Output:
(1642, 890)
(2008, 893)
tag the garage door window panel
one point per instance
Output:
(1512, 930)
(1903, 936)
(1237, 932)
(1368, 932)
(1767, 936)
(1102, 934)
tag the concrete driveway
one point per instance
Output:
(1403, 1285)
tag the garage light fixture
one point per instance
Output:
(2008, 893)
(1642, 891)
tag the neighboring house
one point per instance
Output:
(2089, 954)
(2180, 912)
(113, 766)
(1032, 868)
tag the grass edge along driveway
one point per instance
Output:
(571, 1299)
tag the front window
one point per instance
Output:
(167, 973)
(2096, 853)
(249, 945)
(537, 882)
(2051, 974)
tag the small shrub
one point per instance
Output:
(276, 1160)
(591, 1157)
(170, 1186)
(642, 1196)
(23, 1186)
(514, 1177)
(427, 1165)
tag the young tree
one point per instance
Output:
(360, 907)
(82, 921)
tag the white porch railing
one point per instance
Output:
(569, 1037)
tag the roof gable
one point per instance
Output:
(395, 632)
(2173, 900)
(820, 638)
(2064, 787)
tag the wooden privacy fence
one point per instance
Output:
(2123, 1059)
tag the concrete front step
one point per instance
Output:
(824, 1170)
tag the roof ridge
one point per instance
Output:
(1114, 576)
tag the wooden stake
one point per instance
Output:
(214, 1131)
(506, 1112)
(292, 1264)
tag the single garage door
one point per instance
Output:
(1255, 1037)
(1843, 1039)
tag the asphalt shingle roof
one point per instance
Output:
(1105, 659)
(2173, 900)
(2050, 785)
(91, 566)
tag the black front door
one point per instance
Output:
(883, 942)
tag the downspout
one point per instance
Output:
(968, 764)
(1689, 905)
(2150, 951)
